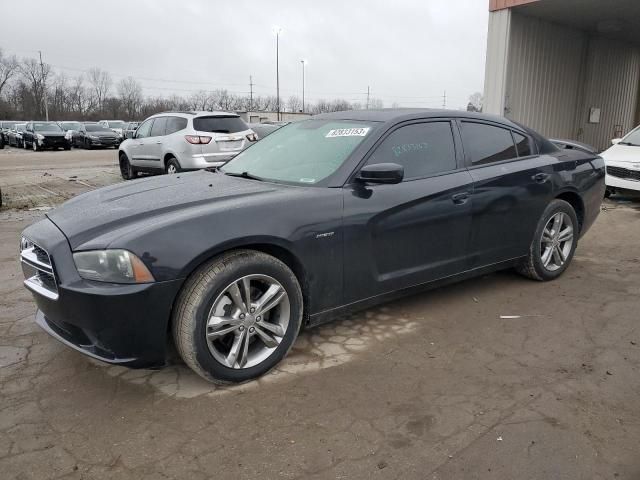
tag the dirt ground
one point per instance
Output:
(436, 386)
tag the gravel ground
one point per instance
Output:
(436, 386)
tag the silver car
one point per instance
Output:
(171, 142)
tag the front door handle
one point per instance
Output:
(460, 198)
(158, 143)
(541, 177)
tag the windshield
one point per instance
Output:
(97, 128)
(632, 139)
(304, 152)
(219, 124)
(21, 127)
(70, 125)
(8, 124)
(46, 127)
(117, 124)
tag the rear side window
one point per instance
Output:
(159, 127)
(219, 124)
(487, 144)
(423, 149)
(523, 145)
(175, 124)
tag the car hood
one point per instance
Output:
(102, 134)
(622, 153)
(146, 201)
(52, 134)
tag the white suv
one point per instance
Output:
(171, 142)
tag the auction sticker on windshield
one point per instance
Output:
(347, 132)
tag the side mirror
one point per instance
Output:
(616, 141)
(381, 173)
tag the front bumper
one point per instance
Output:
(120, 324)
(622, 175)
(54, 142)
(105, 142)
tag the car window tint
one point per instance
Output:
(175, 124)
(159, 127)
(486, 144)
(422, 149)
(145, 129)
(522, 144)
(219, 124)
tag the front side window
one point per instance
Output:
(305, 152)
(159, 127)
(423, 149)
(487, 144)
(145, 129)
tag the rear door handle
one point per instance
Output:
(541, 177)
(460, 198)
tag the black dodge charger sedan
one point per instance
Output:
(42, 135)
(322, 217)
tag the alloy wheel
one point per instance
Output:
(171, 169)
(556, 242)
(248, 321)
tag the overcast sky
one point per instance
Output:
(407, 51)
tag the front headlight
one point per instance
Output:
(114, 266)
(40, 136)
(93, 137)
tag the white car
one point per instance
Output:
(623, 163)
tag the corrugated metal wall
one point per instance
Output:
(612, 80)
(545, 69)
(548, 76)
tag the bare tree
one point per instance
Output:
(376, 103)
(101, 83)
(35, 77)
(475, 102)
(8, 69)
(294, 104)
(130, 93)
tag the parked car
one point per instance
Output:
(5, 126)
(574, 145)
(263, 129)
(130, 129)
(115, 125)
(320, 218)
(15, 135)
(94, 135)
(70, 129)
(172, 142)
(623, 163)
(43, 135)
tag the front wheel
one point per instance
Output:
(126, 169)
(34, 144)
(554, 243)
(237, 316)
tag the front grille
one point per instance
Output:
(624, 173)
(38, 270)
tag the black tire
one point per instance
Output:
(68, 147)
(126, 169)
(608, 192)
(532, 266)
(34, 145)
(24, 144)
(172, 166)
(189, 319)
(87, 144)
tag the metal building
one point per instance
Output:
(567, 68)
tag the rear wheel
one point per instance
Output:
(237, 316)
(554, 243)
(173, 166)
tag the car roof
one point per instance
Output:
(194, 114)
(394, 115)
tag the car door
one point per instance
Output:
(140, 145)
(512, 186)
(154, 144)
(416, 231)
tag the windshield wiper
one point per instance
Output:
(629, 144)
(243, 175)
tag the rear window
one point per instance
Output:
(219, 124)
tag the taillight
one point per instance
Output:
(196, 139)
(252, 137)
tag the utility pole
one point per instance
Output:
(277, 31)
(444, 100)
(250, 93)
(368, 92)
(303, 62)
(44, 87)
